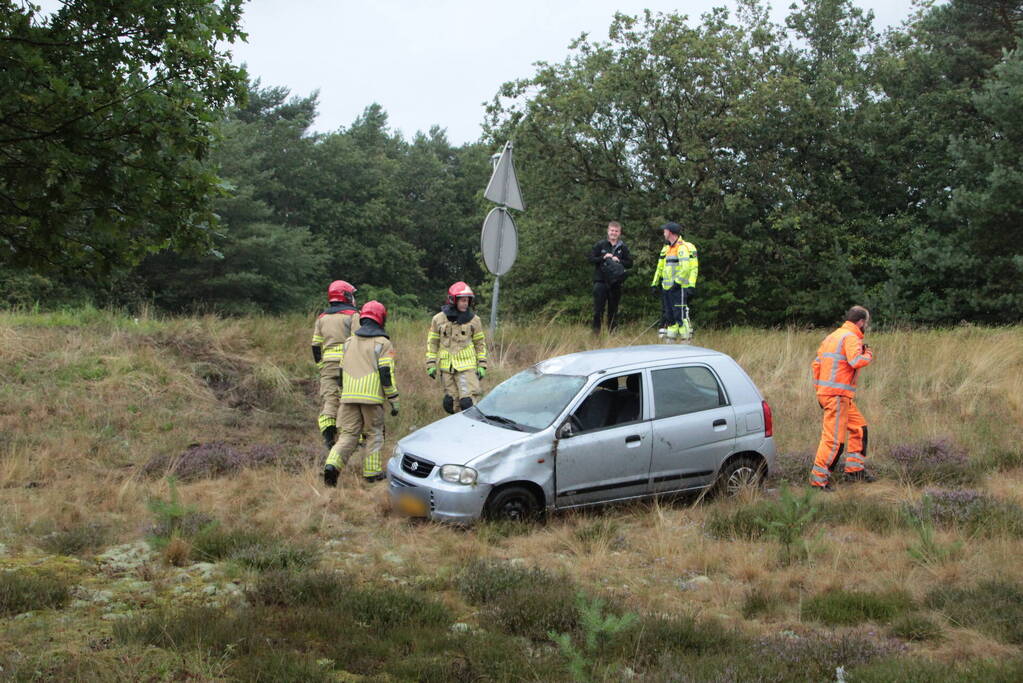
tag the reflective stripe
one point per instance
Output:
(326, 421)
(361, 390)
(835, 354)
(317, 339)
(834, 385)
(834, 437)
(857, 360)
(371, 465)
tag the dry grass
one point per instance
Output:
(86, 402)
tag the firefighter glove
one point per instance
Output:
(432, 371)
(394, 406)
(481, 372)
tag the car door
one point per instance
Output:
(693, 427)
(603, 449)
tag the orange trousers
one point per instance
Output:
(843, 428)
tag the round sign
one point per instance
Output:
(499, 241)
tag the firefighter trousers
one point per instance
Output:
(461, 385)
(844, 428)
(330, 394)
(354, 419)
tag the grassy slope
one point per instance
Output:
(88, 398)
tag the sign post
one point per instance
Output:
(499, 240)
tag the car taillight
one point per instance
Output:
(768, 420)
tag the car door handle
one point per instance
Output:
(720, 423)
(633, 438)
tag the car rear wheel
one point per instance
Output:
(515, 503)
(740, 474)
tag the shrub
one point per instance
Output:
(971, 511)
(919, 670)
(193, 628)
(288, 589)
(874, 515)
(174, 518)
(840, 607)
(927, 549)
(935, 461)
(728, 521)
(915, 627)
(599, 533)
(274, 554)
(525, 602)
(652, 636)
(992, 607)
(390, 607)
(23, 591)
(758, 601)
(77, 539)
(597, 629)
(280, 666)
(788, 519)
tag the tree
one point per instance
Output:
(107, 111)
(259, 263)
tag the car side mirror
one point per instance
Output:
(565, 430)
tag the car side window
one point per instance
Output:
(615, 401)
(678, 391)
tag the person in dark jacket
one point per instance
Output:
(610, 259)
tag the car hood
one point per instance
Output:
(457, 439)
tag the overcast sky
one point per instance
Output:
(433, 62)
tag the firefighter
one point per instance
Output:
(367, 380)
(333, 326)
(456, 348)
(836, 368)
(674, 277)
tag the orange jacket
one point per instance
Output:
(838, 361)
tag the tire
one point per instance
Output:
(514, 503)
(740, 474)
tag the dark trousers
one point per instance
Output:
(671, 304)
(609, 295)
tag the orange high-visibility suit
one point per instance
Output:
(839, 360)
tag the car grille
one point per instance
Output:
(417, 467)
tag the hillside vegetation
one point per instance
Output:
(162, 517)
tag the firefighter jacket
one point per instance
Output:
(677, 265)
(456, 341)
(367, 366)
(839, 359)
(596, 257)
(332, 328)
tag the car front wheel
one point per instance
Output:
(515, 503)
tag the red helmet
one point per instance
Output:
(340, 290)
(458, 290)
(374, 310)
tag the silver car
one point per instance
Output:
(589, 428)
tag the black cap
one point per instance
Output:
(673, 227)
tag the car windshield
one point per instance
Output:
(530, 399)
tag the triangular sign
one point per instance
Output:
(503, 187)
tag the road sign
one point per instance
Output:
(499, 241)
(503, 187)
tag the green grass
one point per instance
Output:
(993, 607)
(26, 590)
(840, 607)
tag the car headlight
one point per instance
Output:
(398, 453)
(458, 474)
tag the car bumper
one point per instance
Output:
(434, 498)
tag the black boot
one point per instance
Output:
(330, 474)
(330, 436)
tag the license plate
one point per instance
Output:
(411, 506)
